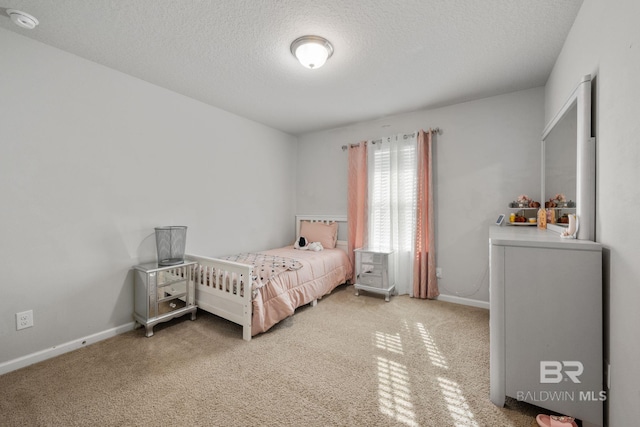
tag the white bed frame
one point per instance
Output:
(214, 296)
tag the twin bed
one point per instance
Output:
(257, 290)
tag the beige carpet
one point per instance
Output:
(349, 361)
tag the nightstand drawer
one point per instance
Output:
(170, 277)
(375, 270)
(169, 305)
(176, 290)
(373, 258)
(368, 279)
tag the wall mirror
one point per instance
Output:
(568, 160)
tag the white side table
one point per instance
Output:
(374, 271)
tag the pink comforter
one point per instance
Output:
(321, 272)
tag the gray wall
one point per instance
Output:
(605, 42)
(91, 161)
(488, 154)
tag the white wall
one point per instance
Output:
(605, 42)
(488, 154)
(91, 161)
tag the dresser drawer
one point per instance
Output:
(175, 289)
(373, 258)
(373, 269)
(169, 305)
(369, 279)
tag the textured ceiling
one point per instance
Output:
(391, 56)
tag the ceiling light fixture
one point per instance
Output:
(312, 51)
(22, 19)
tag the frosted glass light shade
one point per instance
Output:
(312, 51)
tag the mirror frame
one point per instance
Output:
(585, 165)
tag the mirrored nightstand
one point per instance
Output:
(163, 293)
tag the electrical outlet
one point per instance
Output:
(439, 272)
(24, 320)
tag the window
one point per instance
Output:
(392, 193)
(392, 166)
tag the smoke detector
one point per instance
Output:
(22, 19)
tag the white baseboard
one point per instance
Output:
(57, 350)
(463, 301)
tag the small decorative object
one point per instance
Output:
(523, 201)
(557, 201)
(572, 230)
(170, 243)
(542, 218)
(551, 216)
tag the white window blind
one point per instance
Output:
(379, 204)
(392, 193)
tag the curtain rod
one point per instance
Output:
(345, 147)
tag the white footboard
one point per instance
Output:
(224, 288)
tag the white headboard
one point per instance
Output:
(340, 219)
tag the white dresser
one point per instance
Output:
(546, 321)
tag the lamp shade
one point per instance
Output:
(312, 51)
